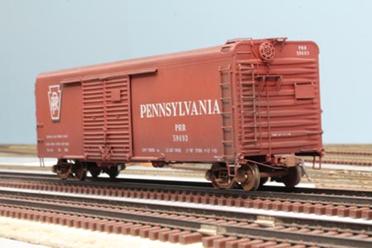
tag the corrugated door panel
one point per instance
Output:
(107, 122)
(93, 118)
(118, 122)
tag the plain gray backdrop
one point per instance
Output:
(44, 35)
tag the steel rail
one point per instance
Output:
(192, 210)
(358, 198)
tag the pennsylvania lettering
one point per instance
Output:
(180, 108)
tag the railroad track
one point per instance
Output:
(185, 224)
(328, 202)
(350, 153)
(342, 161)
(136, 183)
(346, 157)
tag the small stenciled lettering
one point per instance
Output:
(57, 143)
(302, 50)
(201, 150)
(180, 138)
(180, 127)
(180, 135)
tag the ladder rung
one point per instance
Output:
(245, 142)
(246, 67)
(224, 99)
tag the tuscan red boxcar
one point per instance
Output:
(247, 107)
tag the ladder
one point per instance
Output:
(247, 110)
(227, 114)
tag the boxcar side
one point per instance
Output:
(168, 110)
(247, 107)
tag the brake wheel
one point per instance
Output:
(266, 51)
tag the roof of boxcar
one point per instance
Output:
(134, 62)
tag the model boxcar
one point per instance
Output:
(247, 107)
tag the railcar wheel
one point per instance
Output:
(293, 177)
(80, 171)
(158, 164)
(94, 170)
(64, 172)
(113, 171)
(62, 169)
(249, 177)
(219, 177)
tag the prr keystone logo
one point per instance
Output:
(55, 95)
